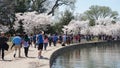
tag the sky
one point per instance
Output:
(83, 5)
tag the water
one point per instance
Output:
(92, 57)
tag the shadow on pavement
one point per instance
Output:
(44, 58)
(7, 60)
(31, 57)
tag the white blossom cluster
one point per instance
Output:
(75, 26)
(32, 20)
(3, 28)
(102, 26)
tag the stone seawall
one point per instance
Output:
(80, 45)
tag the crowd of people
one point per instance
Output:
(41, 41)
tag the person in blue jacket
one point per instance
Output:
(17, 41)
(55, 39)
(40, 41)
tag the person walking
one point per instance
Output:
(64, 40)
(3, 44)
(34, 40)
(55, 39)
(50, 39)
(40, 44)
(26, 44)
(17, 41)
(45, 42)
(30, 39)
(60, 39)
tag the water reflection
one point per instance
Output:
(90, 57)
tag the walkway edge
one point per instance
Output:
(59, 51)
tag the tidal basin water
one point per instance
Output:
(107, 56)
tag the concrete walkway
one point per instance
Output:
(32, 61)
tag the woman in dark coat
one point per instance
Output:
(3, 44)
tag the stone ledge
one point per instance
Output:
(58, 52)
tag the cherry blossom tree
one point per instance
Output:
(42, 6)
(102, 26)
(76, 26)
(32, 21)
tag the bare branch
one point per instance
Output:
(54, 7)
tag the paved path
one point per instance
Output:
(31, 62)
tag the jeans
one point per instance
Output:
(26, 51)
(50, 43)
(54, 43)
(2, 49)
(45, 45)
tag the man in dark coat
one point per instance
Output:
(3, 44)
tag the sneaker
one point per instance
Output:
(3, 59)
(40, 57)
(26, 56)
(19, 56)
(14, 55)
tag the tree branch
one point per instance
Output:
(54, 7)
(43, 1)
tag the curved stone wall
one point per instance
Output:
(80, 45)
